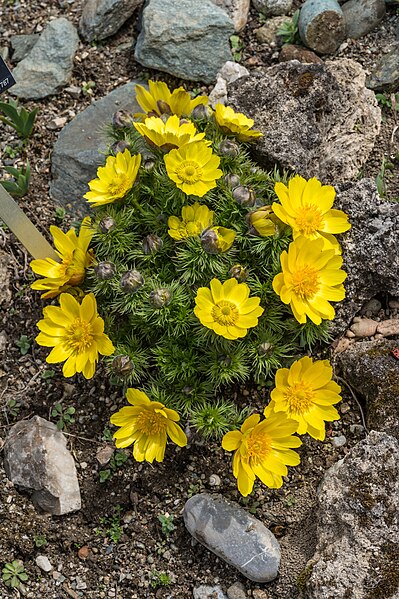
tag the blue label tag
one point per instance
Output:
(6, 78)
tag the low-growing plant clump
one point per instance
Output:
(198, 271)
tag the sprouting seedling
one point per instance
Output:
(18, 187)
(14, 573)
(18, 118)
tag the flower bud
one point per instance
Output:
(265, 348)
(149, 164)
(121, 119)
(209, 241)
(232, 181)
(122, 366)
(131, 281)
(187, 390)
(105, 271)
(216, 240)
(152, 244)
(119, 146)
(263, 222)
(244, 195)
(163, 107)
(238, 272)
(160, 298)
(201, 112)
(107, 224)
(224, 361)
(229, 148)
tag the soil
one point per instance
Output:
(115, 546)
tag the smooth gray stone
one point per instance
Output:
(187, 41)
(385, 75)
(22, 45)
(358, 525)
(102, 18)
(78, 151)
(48, 66)
(208, 592)
(36, 460)
(322, 25)
(234, 535)
(362, 16)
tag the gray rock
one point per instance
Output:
(194, 46)
(362, 16)
(385, 75)
(358, 524)
(208, 592)
(230, 72)
(373, 372)
(236, 591)
(273, 8)
(22, 45)
(233, 535)
(48, 66)
(317, 119)
(237, 10)
(36, 460)
(371, 307)
(338, 441)
(267, 33)
(102, 18)
(370, 253)
(79, 147)
(43, 562)
(322, 25)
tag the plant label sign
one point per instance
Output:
(6, 78)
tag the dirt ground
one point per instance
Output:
(115, 546)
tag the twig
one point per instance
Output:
(347, 385)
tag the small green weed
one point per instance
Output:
(63, 414)
(167, 525)
(391, 102)
(116, 462)
(111, 526)
(18, 118)
(60, 213)
(237, 47)
(24, 344)
(107, 435)
(159, 579)
(13, 406)
(19, 187)
(48, 374)
(14, 573)
(87, 87)
(288, 32)
(40, 541)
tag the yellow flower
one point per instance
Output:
(114, 180)
(194, 168)
(170, 134)
(76, 334)
(306, 208)
(264, 221)
(311, 278)
(263, 450)
(306, 394)
(217, 240)
(236, 123)
(227, 308)
(160, 100)
(147, 425)
(194, 220)
(75, 258)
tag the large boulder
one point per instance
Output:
(185, 40)
(102, 18)
(317, 119)
(79, 149)
(37, 461)
(48, 66)
(358, 527)
(373, 372)
(370, 248)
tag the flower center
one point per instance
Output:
(189, 172)
(258, 446)
(192, 228)
(119, 187)
(151, 423)
(79, 335)
(309, 219)
(299, 397)
(306, 282)
(225, 313)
